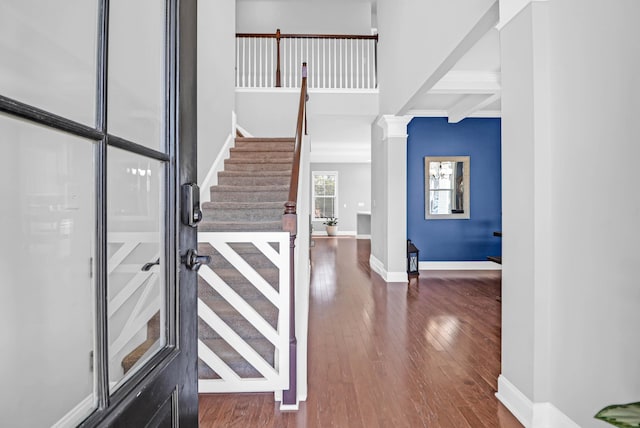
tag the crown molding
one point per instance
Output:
(394, 126)
(445, 113)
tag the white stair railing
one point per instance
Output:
(334, 61)
(273, 377)
(136, 299)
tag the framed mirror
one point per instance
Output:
(447, 189)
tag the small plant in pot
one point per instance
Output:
(332, 226)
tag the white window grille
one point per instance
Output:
(325, 195)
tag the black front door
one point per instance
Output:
(97, 140)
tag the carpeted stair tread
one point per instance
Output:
(231, 276)
(245, 289)
(258, 173)
(255, 178)
(238, 189)
(225, 193)
(252, 157)
(236, 320)
(240, 226)
(243, 210)
(257, 166)
(277, 148)
(132, 357)
(153, 334)
(248, 253)
(262, 160)
(265, 139)
(234, 360)
(235, 205)
(242, 248)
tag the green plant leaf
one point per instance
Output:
(621, 415)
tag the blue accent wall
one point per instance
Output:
(456, 240)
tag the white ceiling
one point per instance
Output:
(470, 89)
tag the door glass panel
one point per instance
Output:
(136, 71)
(48, 51)
(135, 266)
(48, 231)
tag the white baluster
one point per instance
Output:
(352, 71)
(260, 65)
(334, 59)
(368, 64)
(244, 55)
(237, 62)
(340, 62)
(324, 63)
(358, 64)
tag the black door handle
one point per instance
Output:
(148, 266)
(193, 261)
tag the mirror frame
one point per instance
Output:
(466, 174)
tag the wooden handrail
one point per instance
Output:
(307, 36)
(290, 224)
(295, 169)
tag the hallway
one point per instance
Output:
(387, 355)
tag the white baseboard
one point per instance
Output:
(546, 415)
(515, 401)
(378, 267)
(243, 131)
(479, 265)
(363, 236)
(289, 407)
(78, 413)
(531, 415)
(211, 178)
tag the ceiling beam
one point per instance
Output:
(467, 82)
(486, 23)
(469, 105)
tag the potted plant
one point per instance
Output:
(332, 226)
(621, 415)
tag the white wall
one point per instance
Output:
(304, 17)
(216, 79)
(416, 38)
(570, 289)
(268, 113)
(518, 146)
(274, 112)
(354, 193)
(597, 293)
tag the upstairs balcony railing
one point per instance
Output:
(334, 61)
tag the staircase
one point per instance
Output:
(249, 197)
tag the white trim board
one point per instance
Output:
(378, 267)
(480, 265)
(218, 165)
(78, 413)
(531, 415)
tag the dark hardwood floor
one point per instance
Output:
(387, 355)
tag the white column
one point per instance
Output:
(526, 213)
(389, 198)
